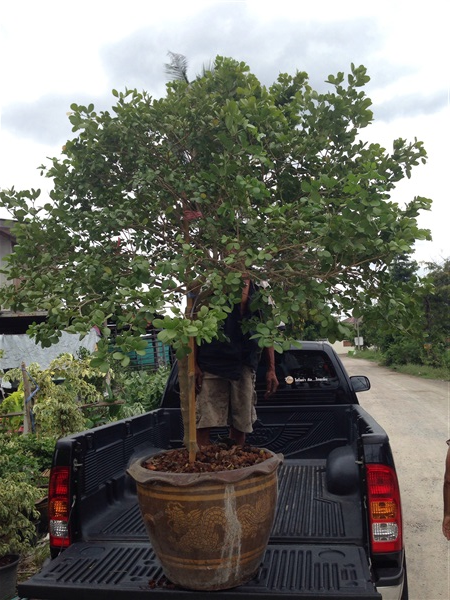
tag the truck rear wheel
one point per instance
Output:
(405, 593)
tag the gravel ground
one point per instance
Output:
(415, 413)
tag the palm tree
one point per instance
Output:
(177, 67)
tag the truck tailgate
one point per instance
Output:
(315, 551)
(113, 571)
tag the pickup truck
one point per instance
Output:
(337, 531)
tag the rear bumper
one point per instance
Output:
(392, 592)
(391, 580)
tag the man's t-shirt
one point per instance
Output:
(226, 358)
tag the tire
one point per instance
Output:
(405, 593)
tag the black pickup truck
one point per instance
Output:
(337, 531)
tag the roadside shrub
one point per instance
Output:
(404, 351)
(437, 355)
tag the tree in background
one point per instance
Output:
(437, 304)
(404, 269)
(407, 292)
(426, 337)
(437, 313)
(160, 203)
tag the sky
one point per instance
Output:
(54, 53)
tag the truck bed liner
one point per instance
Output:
(120, 560)
(313, 515)
(129, 571)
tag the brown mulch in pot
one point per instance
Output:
(216, 457)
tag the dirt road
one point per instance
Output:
(416, 415)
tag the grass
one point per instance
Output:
(424, 371)
(32, 562)
(373, 355)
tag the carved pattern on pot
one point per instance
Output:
(198, 529)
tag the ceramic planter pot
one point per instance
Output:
(209, 530)
(8, 577)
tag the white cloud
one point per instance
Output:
(55, 53)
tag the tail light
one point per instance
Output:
(385, 515)
(59, 506)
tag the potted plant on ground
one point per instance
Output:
(163, 206)
(18, 517)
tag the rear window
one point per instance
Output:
(302, 369)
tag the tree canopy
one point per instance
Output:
(162, 198)
(424, 338)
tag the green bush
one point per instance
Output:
(22, 461)
(142, 389)
(63, 388)
(437, 355)
(12, 404)
(27, 455)
(12, 460)
(404, 351)
(18, 514)
(41, 448)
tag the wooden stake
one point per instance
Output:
(27, 425)
(193, 448)
(189, 215)
(192, 441)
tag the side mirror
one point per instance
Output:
(360, 383)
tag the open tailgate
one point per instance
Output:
(113, 571)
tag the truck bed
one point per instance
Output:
(320, 514)
(315, 550)
(319, 547)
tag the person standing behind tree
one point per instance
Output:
(225, 377)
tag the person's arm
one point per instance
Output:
(271, 377)
(446, 520)
(245, 293)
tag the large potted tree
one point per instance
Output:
(162, 205)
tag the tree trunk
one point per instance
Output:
(186, 378)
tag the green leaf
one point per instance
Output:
(96, 362)
(218, 177)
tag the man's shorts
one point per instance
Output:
(224, 402)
